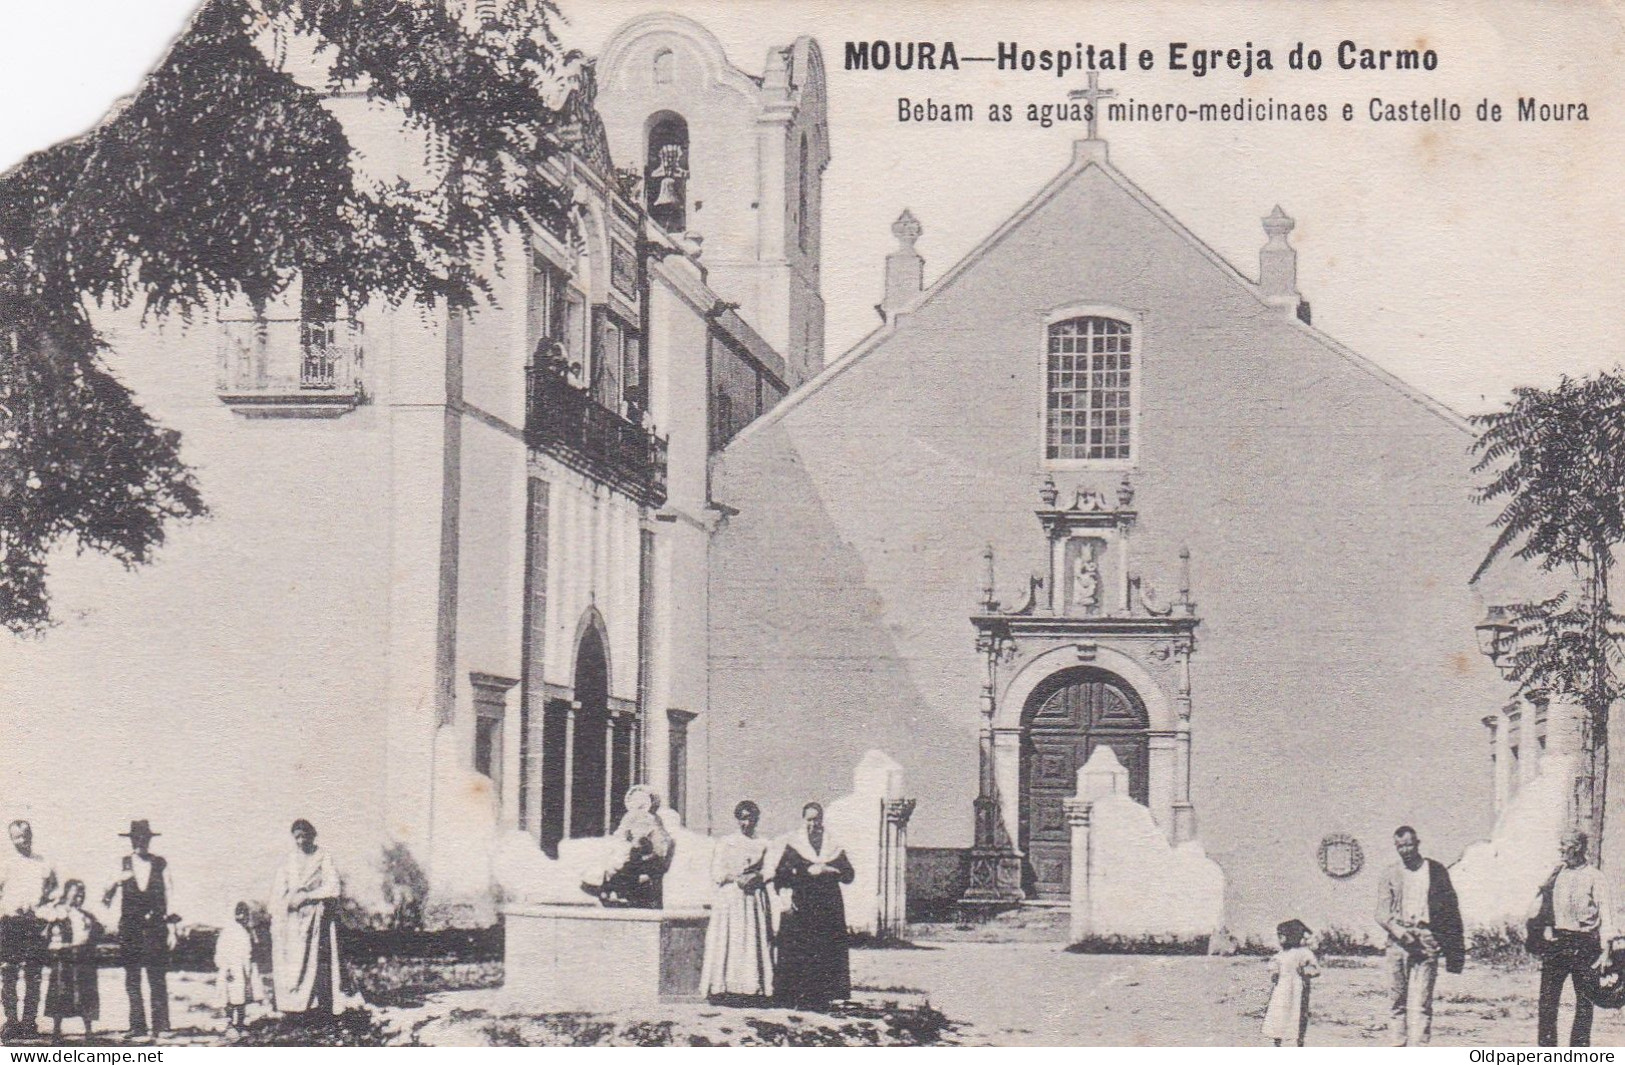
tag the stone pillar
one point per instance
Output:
(1498, 767)
(1567, 736)
(1520, 719)
(892, 922)
(1184, 811)
(609, 771)
(1077, 815)
(995, 866)
(1007, 776)
(1565, 724)
(860, 821)
(905, 268)
(637, 773)
(569, 762)
(1278, 263)
(1162, 794)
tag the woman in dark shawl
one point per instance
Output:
(813, 968)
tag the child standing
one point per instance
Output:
(71, 945)
(234, 960)
(1291, 970)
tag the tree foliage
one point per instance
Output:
(1556, 459)
(227, 177)
(1556, 649)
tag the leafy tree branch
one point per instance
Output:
(226, 177)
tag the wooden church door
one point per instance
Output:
(1068, 717)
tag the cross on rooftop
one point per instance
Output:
(1094, 94)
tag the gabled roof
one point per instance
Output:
(1089, 154)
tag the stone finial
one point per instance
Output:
(905, 268)
(1278, 262)
(1049, 493)
(1277, 224)
(1125, 493)
(907, 229)
(776, 72)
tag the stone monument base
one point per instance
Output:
(586, 957)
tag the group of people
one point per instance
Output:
(777, 930)
(47, 937)
(1418, 910)
(1570, 923)
(795, 952)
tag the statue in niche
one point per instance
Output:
(1086, 582)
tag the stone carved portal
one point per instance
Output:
(1067, 717)
(1086, 660)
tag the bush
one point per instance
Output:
(353, 1028)
(405, 888)
(854, 1025)
(194, 949)
(453, 944)
(1340, 942)
(870, 941)
(1501, 947)
(407, 982)
(1140, 945)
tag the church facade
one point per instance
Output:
(452, 592)
(1097, 488)
(1093, 492)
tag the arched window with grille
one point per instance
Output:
(1089, 393)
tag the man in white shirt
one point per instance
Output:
(1417, 907)
(1582, 921)
(26, 882)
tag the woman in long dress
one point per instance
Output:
(305, 968)
(739, 939)
(813, 968)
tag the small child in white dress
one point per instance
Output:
(1292, 969)
(234, 960)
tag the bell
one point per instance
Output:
(667, 197)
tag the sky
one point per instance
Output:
(1465, 257)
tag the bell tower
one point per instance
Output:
(734, 159)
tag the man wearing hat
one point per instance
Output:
(143, 926)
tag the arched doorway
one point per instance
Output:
(588, 748)
(1068, 716)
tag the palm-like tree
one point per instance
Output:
(1557, 463)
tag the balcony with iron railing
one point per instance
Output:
(289, 367)
(564, 420)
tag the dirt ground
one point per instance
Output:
(1026, 994)
(1004, 994)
